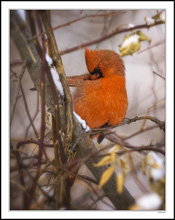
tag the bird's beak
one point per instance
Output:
(95, 76)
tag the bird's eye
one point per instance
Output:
(97, 71)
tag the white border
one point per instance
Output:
(5, 6)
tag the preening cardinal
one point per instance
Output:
(100, 97)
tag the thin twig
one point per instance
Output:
(29, 166)
(17, 89)
(27, 110)
(87, 178)
(151, 109)
(107, 131)
(42, 83)
(31, 141)
(36, 42)
(39, 187)
(35, 115)
(116, 31)
(161, 124)
(139, 183)
(87, 16)
(15, 63)
(159, 75)
(75, 20)
(21, 174)
(155, 147)
(99, 198)
(140, 132)
(31, 18)
(155, 45)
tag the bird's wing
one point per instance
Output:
(77, 81)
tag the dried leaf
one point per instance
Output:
(160, 16)
(134, 207)
(149, 21)
(123, 164)
(106, 175)
(120, 182)
(131, 43)
(156, 166)
(149, 160)
(106, 160)
(143, 37)
(113, 154)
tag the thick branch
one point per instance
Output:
(60, 70)
(85, 147)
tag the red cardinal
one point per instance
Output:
(100, 97)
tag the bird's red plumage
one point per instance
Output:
(101, 99)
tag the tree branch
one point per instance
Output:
(107, 36)
(161, 124)
(60, 70)
(75, 20)
(17, 89)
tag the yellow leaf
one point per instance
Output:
(160, 16)
(149, 21)
(143, 37)
(129, 50)
(118, 147)
(113, 154)
(131, 43)
(106, 175)
(156, 166)
(149, 160)
(120, 182)
(48, 123)
(134, 207)
(123, 164)
(106, 160)
(156, 17)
